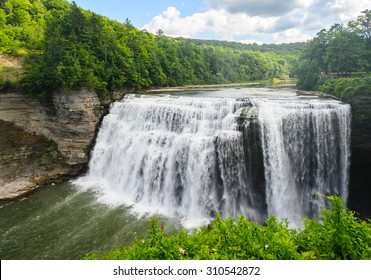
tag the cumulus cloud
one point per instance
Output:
(285, 23)
(258, 8)
(324, 13)
(346, 10)
(282, 21)
(171, 22)
(220, 22)
(290, 36)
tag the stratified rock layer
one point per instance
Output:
(71, 124)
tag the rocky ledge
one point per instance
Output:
(40, 145)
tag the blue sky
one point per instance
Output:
(140, 12)
(262, 21)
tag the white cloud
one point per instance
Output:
(324, 13)
(258, 8)
(224, 24)
(171, 22)
(250, 41)
(284, 21)
(171, 13)
(290, 36)
(347, 10)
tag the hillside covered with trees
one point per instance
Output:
(64, 46)
(50, 45)
(338, 60)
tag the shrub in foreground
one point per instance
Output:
(338, 234)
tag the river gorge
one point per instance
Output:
(188, 156)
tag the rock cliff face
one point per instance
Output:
(71, 124)
(74, 124)
(360, 170)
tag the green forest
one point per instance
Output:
(64, 46)
(338, 61)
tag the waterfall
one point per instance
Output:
(196, 157)
(306, 153)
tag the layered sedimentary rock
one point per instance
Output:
(70, 123)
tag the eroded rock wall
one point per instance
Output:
(360, 169)
(71, 123)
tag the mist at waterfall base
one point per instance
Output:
(194, 157)
(60, 222)
(187, 156)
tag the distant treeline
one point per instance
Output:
(285, 48)
(67, 47)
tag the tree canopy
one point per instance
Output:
(339, 50)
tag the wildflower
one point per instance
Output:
(182, 250)
(266, 246)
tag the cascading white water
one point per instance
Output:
(176, 156)
(306, 153)
(187, 157)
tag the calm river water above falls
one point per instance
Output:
(188, 156)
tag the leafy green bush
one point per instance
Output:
(347, 87)
(338, 234)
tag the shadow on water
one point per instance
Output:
(60, 222)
